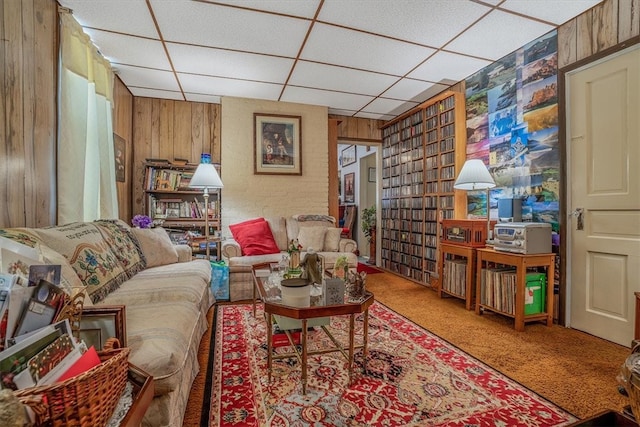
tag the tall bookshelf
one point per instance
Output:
(422, 154)
(169, 198)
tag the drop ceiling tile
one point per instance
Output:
(147, 78)
(406, 89)
(304, 9)
(339, 100)
(197, 97)
(206, 85)
(485, 40)
(340, 46)
(127, 17)
(140, 51)
(384, 105)
(374, 116)
(231, 28)
(431, 23)
(556, 11)
(444, 65)
(225, 63)
(154, 93)
(320, 76)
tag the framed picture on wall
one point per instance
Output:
(119, 147)
(277, 146)
(348, 155)
(349, 185)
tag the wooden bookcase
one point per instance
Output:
(515, 300)
(457, 266)
(422, 153)
(169, 198)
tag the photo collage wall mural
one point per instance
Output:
(512, 125)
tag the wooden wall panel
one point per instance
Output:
(28, 63)
(358, 129)
(606, 25)
(123, 127)
(167, 129)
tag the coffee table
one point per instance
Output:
(273, 306)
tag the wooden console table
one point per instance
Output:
(469, 289)
(521, 262)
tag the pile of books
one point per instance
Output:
(35, 349)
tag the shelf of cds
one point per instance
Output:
(422, 152)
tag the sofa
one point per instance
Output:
(166, 296)
(262, 240)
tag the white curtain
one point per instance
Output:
(86, 161)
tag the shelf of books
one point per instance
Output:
(179, 208)
(422, 153)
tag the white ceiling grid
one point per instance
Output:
(363, 58)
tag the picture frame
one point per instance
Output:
(348, 156)
(119, 152)
(277, 144)
(349, 190)
(98, 324)
(372, 175)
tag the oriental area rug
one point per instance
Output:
(411, 378)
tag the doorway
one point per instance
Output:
(603, 134)
(358, 175)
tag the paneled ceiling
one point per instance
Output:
(363, 58)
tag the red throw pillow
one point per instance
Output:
(255, 238)
(235, 227)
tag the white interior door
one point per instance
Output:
(604, 200)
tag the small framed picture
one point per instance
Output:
(277, 146)
(372, 174)
(349, 190)
(101, 323)
(119, 148)
(348, 155)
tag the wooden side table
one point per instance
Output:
(469, 253)
(143, 390)
(521, 262)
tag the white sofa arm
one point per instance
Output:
(184, 253)
(348, 245)
(230, 249)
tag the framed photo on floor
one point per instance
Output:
(98, 324)
(349, 184)
(277, 145)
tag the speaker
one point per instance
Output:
(509, 210)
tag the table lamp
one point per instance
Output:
(206, 177)
(475, 176)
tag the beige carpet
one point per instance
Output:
(572, 369)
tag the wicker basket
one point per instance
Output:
(630, 379)
(86, 400)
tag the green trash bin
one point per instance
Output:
(534, 293)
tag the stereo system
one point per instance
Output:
(522, 237)
(465, 232)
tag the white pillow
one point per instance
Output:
(156, 246)
(312, 237)
(332, 239)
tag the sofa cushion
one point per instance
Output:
(312, 237)
(89, 254)
(255, 238)
(156, 246)
(69, 280)
(278, 227)
(123, 243)
(160, 335)
(332, 239)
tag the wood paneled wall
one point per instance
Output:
(123, 127)
(598, 29)
(167, 129)
(357, 129)
(28, 76)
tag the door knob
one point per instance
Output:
(578, 213)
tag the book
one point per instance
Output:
(88, 360)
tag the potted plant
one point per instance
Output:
(368, 224)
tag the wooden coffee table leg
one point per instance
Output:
(269, 344)
(303, 342)
(365, 338)
(351, 345)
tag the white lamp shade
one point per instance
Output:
(474, 176)
(206, 176)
